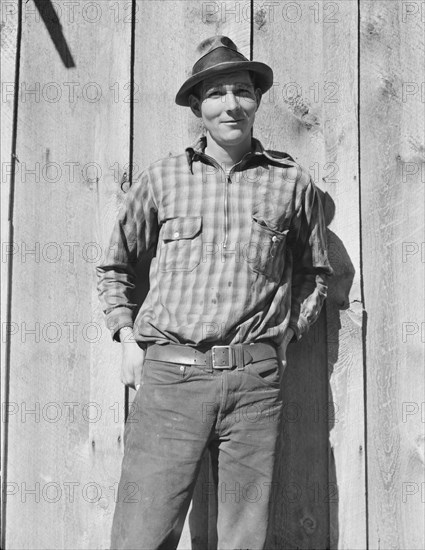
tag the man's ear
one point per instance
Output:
(258, 96)
(195, 105)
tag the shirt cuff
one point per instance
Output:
(117, 319)
(300, 328)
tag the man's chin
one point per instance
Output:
(232, 138)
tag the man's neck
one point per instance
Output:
(228, 156)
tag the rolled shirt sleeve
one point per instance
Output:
(311, 267)
(134, 233)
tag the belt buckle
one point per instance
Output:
(215, 353)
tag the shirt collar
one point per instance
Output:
(196, 150)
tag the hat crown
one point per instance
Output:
(214, 51)
(210, 44)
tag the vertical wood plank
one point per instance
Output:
(73, 141)
(347, 482)
(283, 39)
(10, 21)
(162, 128)
(311, 113)
(392, 195)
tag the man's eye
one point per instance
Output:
(214, 93)
(244, 92)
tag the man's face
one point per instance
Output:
(227, 105)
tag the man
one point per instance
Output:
(239, 270)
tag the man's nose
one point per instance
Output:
(232, 102)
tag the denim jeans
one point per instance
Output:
(178, 412)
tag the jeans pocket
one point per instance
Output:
(267, 371)
(164, 373)
(180, 244)
(267, 250)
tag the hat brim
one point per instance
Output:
(264, 77)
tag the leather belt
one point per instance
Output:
(217, 357)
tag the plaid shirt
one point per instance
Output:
(237, 257)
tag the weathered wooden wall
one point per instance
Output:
(351, 464)
(65, 398)
(392, 132)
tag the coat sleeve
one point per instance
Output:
(134, 233)
(311, 267)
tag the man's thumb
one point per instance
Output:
(138, 378)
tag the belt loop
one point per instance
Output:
(208, 361)
(239, 358)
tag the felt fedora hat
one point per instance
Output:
(219, 54)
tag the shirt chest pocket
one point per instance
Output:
(181, 244)
(266, 254)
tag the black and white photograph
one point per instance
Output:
(212, 275)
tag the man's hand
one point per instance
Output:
(133, 357)
(281, 351)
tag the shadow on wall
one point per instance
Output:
(55, 30)
(306, 514)
(304, 507)
(338, 300)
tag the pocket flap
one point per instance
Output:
(182, 228)
(261, 225)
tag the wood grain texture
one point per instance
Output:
(71, 132)
(392, 198)
(311, 114)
